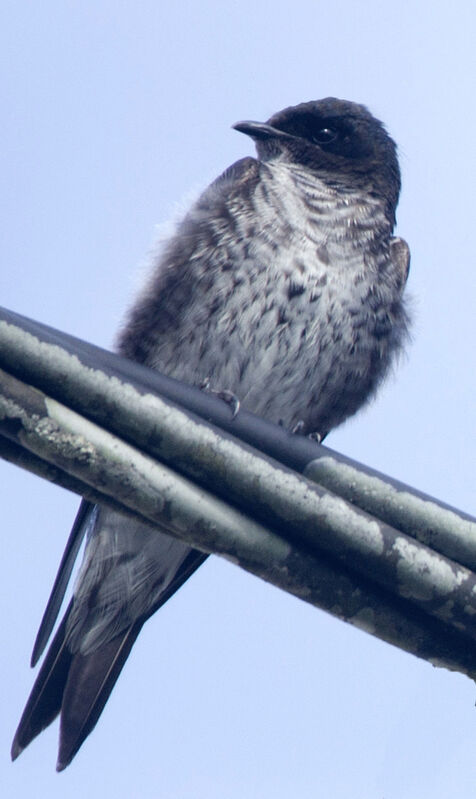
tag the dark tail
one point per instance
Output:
(44, 702)
(79, 685)
(90, 681)
(80, 526)
(92, 677)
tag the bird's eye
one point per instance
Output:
(324, 135)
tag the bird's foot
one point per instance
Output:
(317, 437)
(299, 428)
(225, 395)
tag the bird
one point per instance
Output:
(282, 285)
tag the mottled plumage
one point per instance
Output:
(283, 284)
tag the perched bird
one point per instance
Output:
(283, 284)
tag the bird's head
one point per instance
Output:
(339, 140)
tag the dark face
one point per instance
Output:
(341, 141)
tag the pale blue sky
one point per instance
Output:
(112, 113)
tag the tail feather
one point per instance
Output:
(62, 579)
(92, 677)
(90, 681)
(44, 702)
(79, 685)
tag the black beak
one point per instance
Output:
(259, 130)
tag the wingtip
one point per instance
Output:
(66, 753)
(16, 749)
(35, 656)
(40, 643)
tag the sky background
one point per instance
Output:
(112, 114)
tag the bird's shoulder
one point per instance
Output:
(241, 176)
(400, 255)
